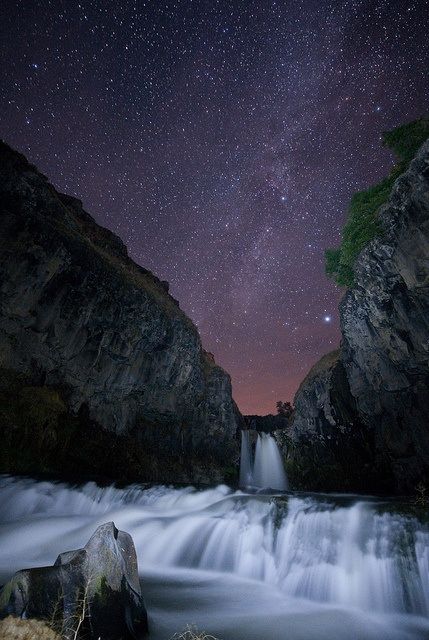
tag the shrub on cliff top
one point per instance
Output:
(362, 223)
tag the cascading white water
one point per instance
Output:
(330, 567)
(267, 471)
(246, 461)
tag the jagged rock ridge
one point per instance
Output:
(362, 415)
(95, 342)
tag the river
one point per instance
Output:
(240, 566)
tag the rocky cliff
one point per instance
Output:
(100, 370)
(362, 414)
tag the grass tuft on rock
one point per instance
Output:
(16, 629)
(191, 633)
(362, 224)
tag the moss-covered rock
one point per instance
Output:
(90, 593)
(363, 223)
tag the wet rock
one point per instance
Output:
(91, 592)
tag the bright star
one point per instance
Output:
(327, 318)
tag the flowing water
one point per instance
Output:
(241, 566)
(246, 460)
(267, 469)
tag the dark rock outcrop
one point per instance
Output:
(362, 415)
(266, 424)
(328, 448)
(92, 592)
(89, 333)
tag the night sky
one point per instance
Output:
(222, 141)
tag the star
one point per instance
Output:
(190, 126)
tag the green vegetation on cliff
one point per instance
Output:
(362, 223)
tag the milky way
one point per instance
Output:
(222, 141)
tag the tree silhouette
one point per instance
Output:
(284, 409)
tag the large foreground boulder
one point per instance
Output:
(92, 592)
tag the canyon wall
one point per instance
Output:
(362, 414)
(100, 370)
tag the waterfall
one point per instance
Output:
(267, 472)
(327, 550)
(246, 462)
(320, 567)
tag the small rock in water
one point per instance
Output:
(92, 592)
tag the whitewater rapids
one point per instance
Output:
(240, 566)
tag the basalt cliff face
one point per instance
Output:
(362, 414)
(100, 370)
